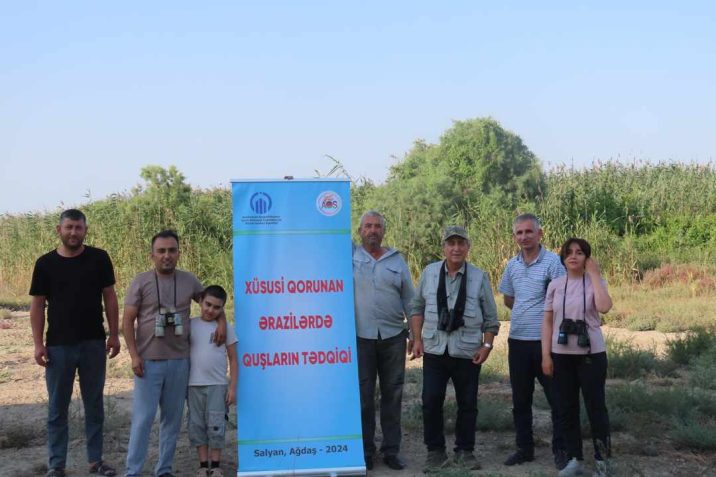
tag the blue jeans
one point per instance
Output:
(88, 358)
(384, 359)
(164, 384)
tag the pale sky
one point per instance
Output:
(93, 91)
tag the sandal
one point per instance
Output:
(101, 468)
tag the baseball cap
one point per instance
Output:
(455, 231)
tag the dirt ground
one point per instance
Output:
(23, 401)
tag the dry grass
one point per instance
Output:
(677, 306)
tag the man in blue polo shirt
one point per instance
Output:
(524, 284)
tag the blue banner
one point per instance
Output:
(298, 406)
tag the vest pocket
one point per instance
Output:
(429, 336)
(469, 340)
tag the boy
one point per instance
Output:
(208, 393)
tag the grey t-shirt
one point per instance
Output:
(142, 293)
(208, 361)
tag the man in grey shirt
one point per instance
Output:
(383, 291)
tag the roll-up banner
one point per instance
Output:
(298, 405)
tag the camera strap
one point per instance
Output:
(584, 309)
(459, 308)
(159, 295)
(584, 300)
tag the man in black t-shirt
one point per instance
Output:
(73, 280)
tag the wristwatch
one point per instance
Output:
(487, 345)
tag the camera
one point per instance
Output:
(167, 318)
(573, 327)
(448, 321)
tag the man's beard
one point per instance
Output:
(68, 245)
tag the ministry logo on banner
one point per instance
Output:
(260, 204)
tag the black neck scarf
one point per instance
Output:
(459, 309)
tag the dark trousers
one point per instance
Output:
(88, 359)
(384, 359)
(588, 373)
(525, 362)
(437, 370)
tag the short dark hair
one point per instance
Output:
(73, 214)
(216, 291)
(168, 233)
(583, 244)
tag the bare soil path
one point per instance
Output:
(23, 401)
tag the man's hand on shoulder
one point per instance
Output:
(220, 333)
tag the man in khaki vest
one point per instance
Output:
(454, 322)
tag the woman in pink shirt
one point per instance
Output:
(574, 352)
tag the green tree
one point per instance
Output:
(166, 185)
(477, 169)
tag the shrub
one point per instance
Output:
(495, 368)
(693, 344)
(695, 434)
(703, 371)
(701, 279)
(5, 375)
(628, 362)
(412, 417)
(16, 436)
(494, 414)
(663, 403)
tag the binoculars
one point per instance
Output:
(448, 321)
(573, 327)
(168, 318)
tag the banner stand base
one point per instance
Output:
(341, 471)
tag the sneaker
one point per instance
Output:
(436, 460)
(520, 457)
(56, 473)
(573, 467)
(466, 460)
(560, 459)
(217, 472)
(202, 472)
(600, 469)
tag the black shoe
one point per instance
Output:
(467, 460)
(560, 459)
(394, 462)
(520, 457)
(436, 460)
(369, 462)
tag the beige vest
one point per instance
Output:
(465, 341)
